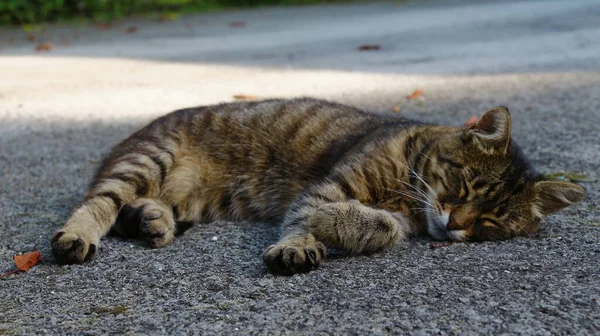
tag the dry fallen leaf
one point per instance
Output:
(25, 261)
(237, 24)
(103, 26)
(46, 46)
(366, 47)
(416, 94)
(471, 121)
(30, 37)
(396, 108)
(130, 30)
(245, 97)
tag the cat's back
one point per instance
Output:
(303, 124)
(280, 118)
(251, 159)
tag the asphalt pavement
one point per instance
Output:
(62, 110)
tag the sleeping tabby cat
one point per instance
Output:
(330, 174)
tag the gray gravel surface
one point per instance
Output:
(61, 111)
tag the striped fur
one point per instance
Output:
(332, 176)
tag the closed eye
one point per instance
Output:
(454, 201)
(489, 222)
(464, 191)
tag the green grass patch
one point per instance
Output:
(114, 311)
(568, 177)
(35, 12)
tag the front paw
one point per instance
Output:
(296, 255)
(72, 247)
(357, 228)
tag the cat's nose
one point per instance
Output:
(452, 224)
(458, 223)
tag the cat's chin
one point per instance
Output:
(457, 235)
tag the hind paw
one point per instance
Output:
(72, 247)
(149, 220)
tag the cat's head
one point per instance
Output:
(483, 188)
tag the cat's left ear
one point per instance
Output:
(492, 130)
(551, 196)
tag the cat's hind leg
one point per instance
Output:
(135, 169)
(147, 219)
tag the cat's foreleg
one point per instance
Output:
(298, 251)
(325, 216)
(357, 228)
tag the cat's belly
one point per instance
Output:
(201, 190)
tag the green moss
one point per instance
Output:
(224, 305)
(118, 310)
(569, 177)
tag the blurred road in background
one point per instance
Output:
(61, 111)
(419, 37)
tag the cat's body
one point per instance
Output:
(331, 174)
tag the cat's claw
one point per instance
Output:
(299, 255)
(72, 248)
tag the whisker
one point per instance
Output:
(429, 157)
(413, 187)
(423, 181)
(411, 170)
(407, 193)
(529, 234)
(410, 196)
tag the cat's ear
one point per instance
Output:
(552, 196)
(492, 130)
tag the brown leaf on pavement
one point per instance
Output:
(103, 26)
(46, 46)
(367, 47)
(25, 261)
(416, 94)
(245, 97)
(237, 24)
(30, 37)
(130, 30)
(396, 108)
